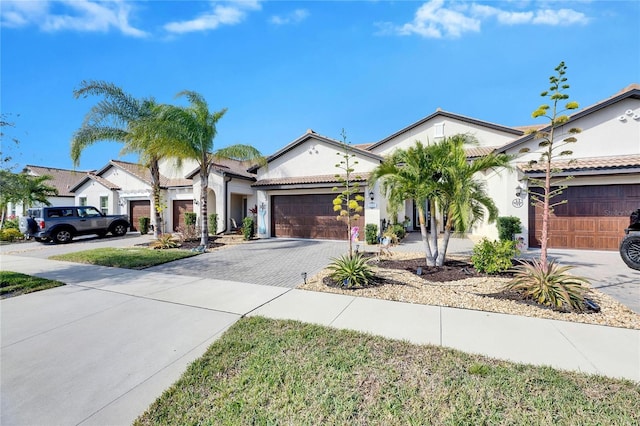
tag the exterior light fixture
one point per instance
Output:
(371, 195)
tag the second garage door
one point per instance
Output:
(594, 218)
(138, 209)
(308, 216)
(180, 207)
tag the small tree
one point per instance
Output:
(545, 281)
(553, 147)
(347, 203)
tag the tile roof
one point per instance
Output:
(102, 181)
(479, 151)
(305, 180)
(228, 165)
(62, 179)
(584, 164)
(144, 174)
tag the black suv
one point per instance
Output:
(61, 224)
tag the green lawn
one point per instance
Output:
(130, 258)
(269, 372)
(15, 284)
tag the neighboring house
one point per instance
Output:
(294, 188)
(61, 179)
(125, 188)
(229, 192)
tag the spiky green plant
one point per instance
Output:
(351, 270)
(164, 241)
(551, 285)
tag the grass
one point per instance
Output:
(15, 284)
(130, 258)
(270, 372)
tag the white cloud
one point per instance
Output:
(228, 13)
(560, 17)
(75, 15)
(294, 17)
(434, 19)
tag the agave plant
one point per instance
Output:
(164, 241)
(352, 271)
(550, 286)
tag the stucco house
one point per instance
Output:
(125, 188)
(293, 191)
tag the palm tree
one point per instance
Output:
(442, 174)
(118, 117)
(192, 130)
(409, 174)
(463, 197)
(24, 188)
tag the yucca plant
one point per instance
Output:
(164, 241)
(352, 271)
(550, 286)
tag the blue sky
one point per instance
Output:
(281, 67)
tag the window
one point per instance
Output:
(82, 201)
(438, 130)
(104, 205)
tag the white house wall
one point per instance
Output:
(311, 158)
(425, 133)
(170, 168)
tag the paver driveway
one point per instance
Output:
(275, 262)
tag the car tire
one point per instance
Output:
(119, 229)
(630, 251)
(62, 236)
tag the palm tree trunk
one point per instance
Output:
(434, 229)
(204, 186)
(154, 168)
(423, 232)
(445, 242)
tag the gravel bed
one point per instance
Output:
(477, 293)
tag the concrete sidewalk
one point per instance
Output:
(102, 348)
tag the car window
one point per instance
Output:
(88, 212)
(54, 213)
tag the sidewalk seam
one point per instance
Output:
(265, 303)
(342, 311)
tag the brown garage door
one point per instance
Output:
(308, 216)
(180, 207)
(594, 218)
(138, 209)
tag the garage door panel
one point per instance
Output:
(307, 216)
(584, 242)
(138, 209)
(595, 218)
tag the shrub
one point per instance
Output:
(507, 226)
(247, 228)
(371, 233)
(552, 286)
(143, 225)
(10, 234)
(188, 232)
(493, 256)
(164, 241)
(399, 231)
(213, 223)
(352, 271)
(190, 218)
(11, 224)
